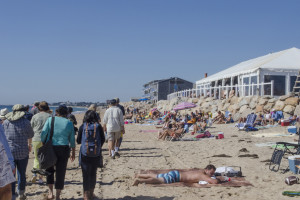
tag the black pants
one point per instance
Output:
(62, 154)
(89, 171)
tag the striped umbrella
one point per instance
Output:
(184, 105)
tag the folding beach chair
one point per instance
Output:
(249, 122)
(282, 149)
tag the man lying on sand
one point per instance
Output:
(193, 176)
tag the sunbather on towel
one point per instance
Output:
(193, 176)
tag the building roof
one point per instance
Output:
(282, 61)
(167, 79)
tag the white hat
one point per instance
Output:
(3, 112)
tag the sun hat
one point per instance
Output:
(3, 112)
(17, 113)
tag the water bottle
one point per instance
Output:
(227, 179)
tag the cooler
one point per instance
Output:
(292, 129)
(293, 161)
(285, 122)
(220, 135)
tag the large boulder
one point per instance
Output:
(243, 108)
(208, 99)
(297, 110)
(231, 109)
(214, 109)
(263, 101)
(236, 116)
(279, 105)
(245, 101)
(289, 109)
(259, 108)
(272, 100)
(269, 106)
(246, 112)
(253, 104)
(284, 97)
(225, 107)
(292, 101)
(234, 100)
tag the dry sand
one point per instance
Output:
(141, 151)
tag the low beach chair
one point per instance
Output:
(249, 122)
(282, 149)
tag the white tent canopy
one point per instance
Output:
(282, 61)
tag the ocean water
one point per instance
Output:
(76, 110)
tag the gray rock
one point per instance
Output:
(245, 101)
(284, 97)
(236, 116)
(253, 104)
(243, 108)
(263, 102)
(234, 100)
(269, 106)
(214, 109)
(297, 110)
(246, 112)
(225, 107)
(272, 101)
(279, 105)
(292, 101)
(289, 109)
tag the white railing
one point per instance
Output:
(240, 90)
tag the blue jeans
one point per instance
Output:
(21, 166)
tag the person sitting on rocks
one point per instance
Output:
(229, 119)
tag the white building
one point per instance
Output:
(272, 74)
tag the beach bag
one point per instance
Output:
(90, 141)
(46, 154)
(250, 128)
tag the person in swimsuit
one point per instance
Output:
(191, 176)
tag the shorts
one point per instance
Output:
(113, 135)
(170, 177)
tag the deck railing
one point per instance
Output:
(259, 89)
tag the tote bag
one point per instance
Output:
(46, 154)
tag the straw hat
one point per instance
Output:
(3, 112)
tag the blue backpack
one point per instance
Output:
(90, 141)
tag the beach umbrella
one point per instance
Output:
(184, 105)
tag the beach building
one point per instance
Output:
(272, 74)
(160, 89)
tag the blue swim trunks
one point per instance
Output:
(170, 177)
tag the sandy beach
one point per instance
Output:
(142, 151)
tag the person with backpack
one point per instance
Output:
(91, 137)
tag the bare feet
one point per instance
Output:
(50, 196)
(135, 182)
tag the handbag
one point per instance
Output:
(46, 154)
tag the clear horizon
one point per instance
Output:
(99, 50)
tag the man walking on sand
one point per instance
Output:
(113, 125)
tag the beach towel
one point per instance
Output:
(235, 181)
(148, 131)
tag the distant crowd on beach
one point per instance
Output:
(23, 131)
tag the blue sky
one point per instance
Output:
(96, 50)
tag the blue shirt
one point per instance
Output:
(3, 140)
(63, 133)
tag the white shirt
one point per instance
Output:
(113, 118)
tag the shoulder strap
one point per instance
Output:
(52, 127)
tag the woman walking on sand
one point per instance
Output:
(91, 137)
(63, 138)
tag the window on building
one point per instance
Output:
(292, 82)
(254, 81)
(279, 85)
(246, 82)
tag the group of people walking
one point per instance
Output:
(20, 135)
